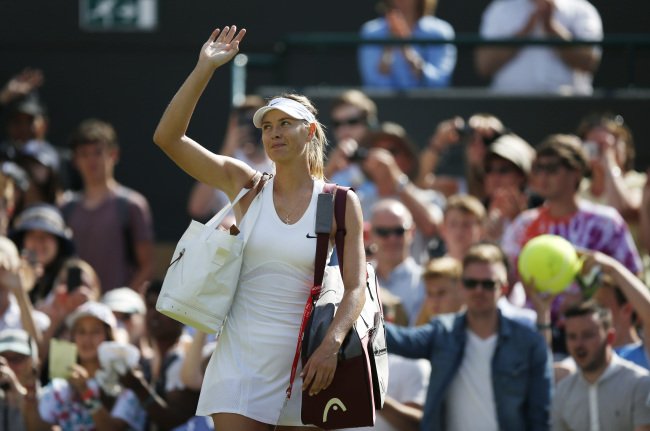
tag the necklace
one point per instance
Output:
(287, 220)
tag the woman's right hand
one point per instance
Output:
(221, 47)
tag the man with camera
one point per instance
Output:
(453, 161)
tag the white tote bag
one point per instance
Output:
(201, 280)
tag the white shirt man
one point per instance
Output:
(540, 68)
(608, 393)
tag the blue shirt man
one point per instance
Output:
(488, 371)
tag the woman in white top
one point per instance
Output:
(245, 381)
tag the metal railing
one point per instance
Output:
(324, 41)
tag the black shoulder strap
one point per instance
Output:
(324, 226)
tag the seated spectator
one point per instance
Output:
(74, 285)
(540, 69)
(353, 116)
(196, 361)
(441, 278)
(608, 393)
(16, 310)
(609, 145)
(79, 401)
(558, 169)
(407, 66)
(41, 162)
(18, 382)
(628, 299)
(453, 161)
(130, 311)
(462, 225)
(26, 120)
(482, 362)
(243, 141)
(407, 387)
(111, 223)
(397, 271)
(10, 193)
(508, 165)
(41, 231)
(158, 384)
(388, 166)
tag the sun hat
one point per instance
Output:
(124, 300)
(43, 217)
(93, 309)
(288, 106)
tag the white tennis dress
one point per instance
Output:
(249, 371)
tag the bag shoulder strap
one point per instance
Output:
(340, 200)
(258, 182)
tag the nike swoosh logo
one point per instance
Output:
(312, 236)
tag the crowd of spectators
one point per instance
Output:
(444, 226)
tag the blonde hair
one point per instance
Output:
(467, 204)
(316, 153)
(443, 267)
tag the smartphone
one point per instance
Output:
(74, 278)
(592, 149)
(63, 355)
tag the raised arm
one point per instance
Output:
(221, 172)
(636, 293)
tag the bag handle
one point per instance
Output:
(259, 181)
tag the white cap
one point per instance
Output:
(92, 309)
(124, 300)
(288, 106)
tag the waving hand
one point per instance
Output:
(221, 46)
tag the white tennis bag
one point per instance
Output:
(201, 279)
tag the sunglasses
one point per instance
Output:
(549, 168)
(347, 122)
(385, 232)
(471, 283)
(503, 170)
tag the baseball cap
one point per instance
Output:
(124, 300)
(288, 106)
(16, 340)
(93, 309)
(514, 149)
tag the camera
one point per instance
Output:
(359, 155)
(463, 128)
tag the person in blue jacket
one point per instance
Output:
(488, 372)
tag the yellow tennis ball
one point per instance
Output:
(550, 261)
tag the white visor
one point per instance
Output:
(288, 106)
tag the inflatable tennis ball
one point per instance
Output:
(550, 261)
